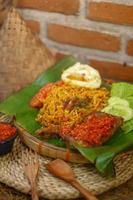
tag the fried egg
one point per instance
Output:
(82, 75)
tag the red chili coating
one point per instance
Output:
(93, 132)
(6, 131)
(36, 101)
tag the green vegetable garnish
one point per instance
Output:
(119, 107)
(101, 156)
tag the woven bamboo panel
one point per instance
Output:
(4, 8)
(22, 55)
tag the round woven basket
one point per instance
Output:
(49, 150)
(12, 174)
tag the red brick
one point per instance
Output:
(83, 37)
(62, 6)
(59, 56)
(113, 70)
(130, 47)
(33, 25)
(111, 12)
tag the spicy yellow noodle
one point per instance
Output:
(54, 112)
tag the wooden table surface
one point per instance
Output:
(123, 192)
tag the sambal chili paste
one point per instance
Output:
(98, 128)
(6, 131)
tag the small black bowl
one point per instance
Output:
(6, 145)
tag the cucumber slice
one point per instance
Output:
(119, 110)
(117, 100)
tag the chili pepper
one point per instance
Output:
(6, 131)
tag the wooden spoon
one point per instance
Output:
(62, 170)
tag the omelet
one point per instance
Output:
(82, 75)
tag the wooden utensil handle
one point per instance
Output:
(34, 192)
(88, 195)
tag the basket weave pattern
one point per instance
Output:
(22, 55)
(12, 174)
(5, 5)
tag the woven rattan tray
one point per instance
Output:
(45, 149)
(12, 174)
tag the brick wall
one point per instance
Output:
(99, 32)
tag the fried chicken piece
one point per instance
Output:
(37, 100)
(94, 131)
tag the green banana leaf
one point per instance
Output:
(18, 105)
(103, 156)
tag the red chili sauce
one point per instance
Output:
(92, 132)
(6, 131)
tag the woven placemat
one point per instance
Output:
(12, 174)
(123, 192)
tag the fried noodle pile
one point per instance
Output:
(67, 105)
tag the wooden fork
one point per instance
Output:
(31, 166)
